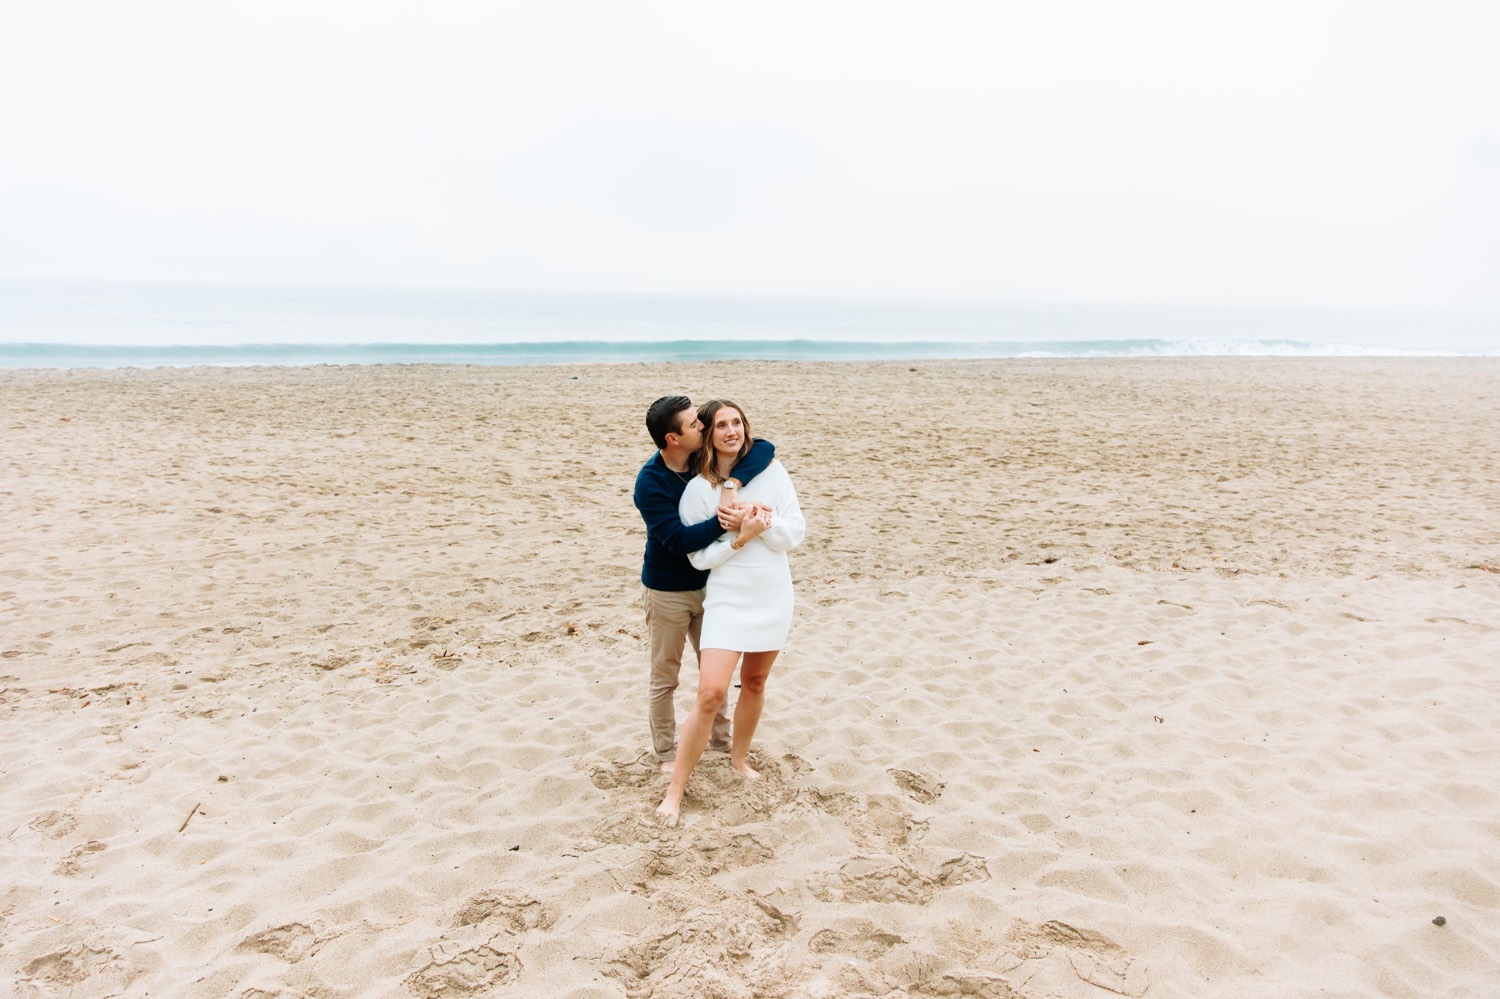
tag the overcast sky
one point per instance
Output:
(1304, 153)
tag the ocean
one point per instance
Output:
(75, 324)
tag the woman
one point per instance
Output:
(747, 608)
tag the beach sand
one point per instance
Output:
(1165, 678)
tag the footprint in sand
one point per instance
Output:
(452, 973)
(634, 826)
(743, 850)
(860, 939)
(1056, 956)
(54, 825)
(72, 865)
(877, 823)
(890, 879)
(612, 774)
(64, 969)
(919, 787)
(516, 913)
(691, 859)
(292, 942)
(734, 947)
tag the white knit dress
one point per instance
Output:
(748, 604)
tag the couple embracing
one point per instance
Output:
(721, 514)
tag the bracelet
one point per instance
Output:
(737, 544)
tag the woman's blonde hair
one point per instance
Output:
(706, 458)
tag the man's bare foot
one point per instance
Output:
(745, 768)
(667, 815)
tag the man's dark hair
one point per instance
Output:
(661, 418)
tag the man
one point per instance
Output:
(673, 595)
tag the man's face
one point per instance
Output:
(689, 429)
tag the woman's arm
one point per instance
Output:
(714, 555)
(788, 527)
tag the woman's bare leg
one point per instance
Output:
(753, 674)
(715, 668)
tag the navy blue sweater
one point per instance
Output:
(658, 491)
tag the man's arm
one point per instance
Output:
(665, 527)
(755, 461)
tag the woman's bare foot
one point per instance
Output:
(744, 767)
(667, 813)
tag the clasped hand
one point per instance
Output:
(733, 518)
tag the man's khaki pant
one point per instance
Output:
(673, 617)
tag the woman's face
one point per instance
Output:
(728, 431)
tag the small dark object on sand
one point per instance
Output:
(1440, 921)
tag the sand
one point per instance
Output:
(1166, 678)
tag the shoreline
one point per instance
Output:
(88, 356)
